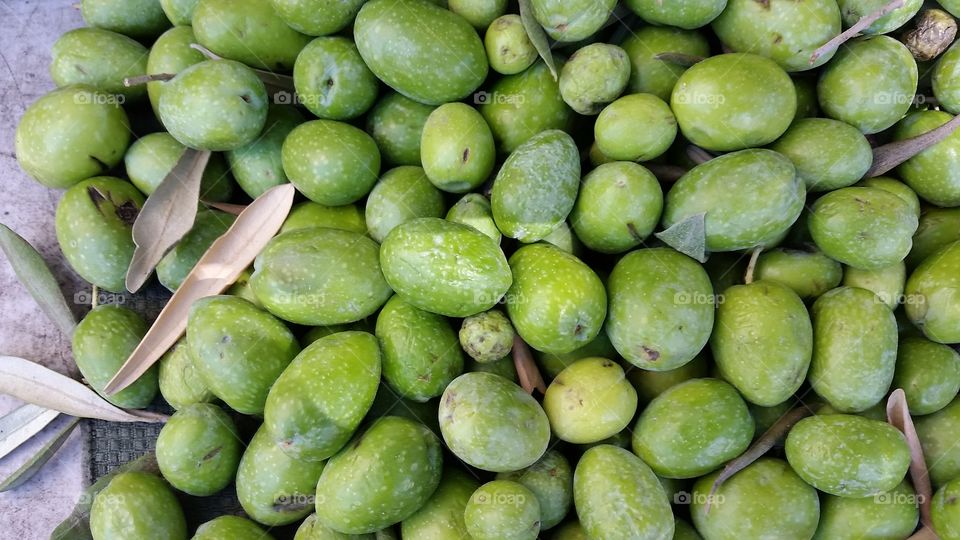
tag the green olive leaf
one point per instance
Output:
(688, 237)
(37, 278)
(537, 36)
(35, 463)
(21, 424)
(167, 216)
(77, 524)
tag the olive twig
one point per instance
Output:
(94, 296)
(529, 375)
(144, 79)
(698, 155)
(666, 173)
(851, 32)
(898, 415)
(758, 448)
(890, 155)
(754, 255)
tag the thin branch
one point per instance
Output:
(852, 32)
(890, 155)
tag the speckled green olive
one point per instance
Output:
(944, 512)
(650, 384)
(309, 214)
(570, 530)
(589, 401)
(402, 194)
(764, 500)
(70, 135)
(406, 459)
(938, 228)
(828, 154)
(689, 15)
(101, 344)
(487, 336)
(180, 382)
(750, 198)
(224, 27)
(238, 349)
(866, 228)
(330, 162)
(618, 206)
(571, 20)
(718, 102)
(258, 166)
(784, 31)
(93, 223)
(139, 19)
(198, 449)
(556, 302)
(896, 187)
(273, 488)
(445, 64)
(594, 76)
(553, 363)
(214, 105)
(886, 282)
(673, 297)
(944, 80)
(234, 527)
(854, 348)
(312, 529)
(479, 13)
(98, 58)
(420, 350)
(869, 83)
(441, 517)
(509, 50)
(294, 279)
(847, 455)
(654, 76)
(936, 432)
(854, 10)
(551, 481)
(151, 158)
(929, 374)
(502, 510)
(332, 81)
(537, 186)
(179, 12)
(519, 106)
(457, 148)
(474, 210)
(693, 428)
(316, 404)
(637, 127)
(396, 123)
(762, 341)
(492, 424)
(932, 174)
(808, 273)
(137, 505)
(171, 53)
(468, 272)
(887, 515)
(208, 225)
(932, 295)
(618, 496)
(317, 17)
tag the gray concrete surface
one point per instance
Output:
(28, 29)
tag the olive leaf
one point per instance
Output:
(220, 266)
(890, 155)
(854, 30)
(537, 36)
(33, 383)
(688, 237)
(35, 463)
(22, 423)
(759, 447)
(37, 278)
(167, 216)
(898, 415)
(77, 524)
(527, 371)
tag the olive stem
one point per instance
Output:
(205, 51)
(898, 415)
(94, 297)
(852, 32)
(527, 372)
(144, 79)
(754, 255)
(890, 155)
(681, 59)
(666, 173)
(698, 155)
(758, 448)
